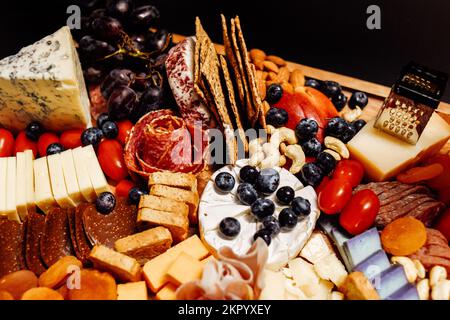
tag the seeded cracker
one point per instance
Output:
(200, 39)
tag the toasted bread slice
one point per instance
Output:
(177, 224)
(123, 267)
(186, 181)
(189, 197)
(163, 204)
(145, 245)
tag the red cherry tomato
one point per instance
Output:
(6, 143)
(44, 141)
(125, 127)
(110, 156)
(123, 187)
(334, 196)
(443, 224)
(350, 170)
(71, 139)
(23, 143)
(322, 184)
(360, 212)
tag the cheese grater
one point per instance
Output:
(411, 102)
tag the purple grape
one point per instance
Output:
(97, 13)
(121, 103)
(93, 75)
(151, 100)
(107, 28)
(116, 78)
(120, 9)
(145, 17)
(157, 40)
(93, 49)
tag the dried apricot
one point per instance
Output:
(42, 293)
(443, 180)
(94, 285)
(419, 174)
(5, 295)
(59, 271)
(404, 236)
(18, 282)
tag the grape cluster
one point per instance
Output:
(123, 49)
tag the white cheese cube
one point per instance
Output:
(331, 268)
(3, 170)
(21, 185)
(11, 182)
(84, 182)
(96, 174)
(70, 177)
(304, 275)
(43, 190)
(274, 285)
(29, 176)
(57, 181)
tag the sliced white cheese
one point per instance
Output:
(3, 170)
(43, 190)
(274, 285)
(70, 177)
(44, 82)
(11, 182)
(331, 268)
(94, 169)
(84, 182)
(21, 185)
(29, 176)
(59, 189)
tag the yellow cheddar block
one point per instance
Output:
(384, 156)
(168, 292)
(206, 260)
(155, 270)
(184, 269)
(132, 291)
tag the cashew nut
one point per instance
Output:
(437, 273)
(296, 154)
(441, 290)
(272, 156)
(352, 115)
(334, 154)
(408, 266)
(423, 289)
(255, 152)
(282, 161)
(338, 146)
(281, 135)
(270, 129)
(421, 272)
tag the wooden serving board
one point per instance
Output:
(376, 92)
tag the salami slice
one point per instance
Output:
(11, 247)
(106, 229)
(35, 229)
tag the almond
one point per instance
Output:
(257, 54)
(272, 76)
(284, 74)
(264, 75)
(270, 66)
(259, 64)
(287, 87)
(277, 60)
(297, 79)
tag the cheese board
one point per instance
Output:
(157, 166)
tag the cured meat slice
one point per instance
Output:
(56, 242)
(378, 187)
(426, 212)
(80, 242)
(436, 251)
(106, 229)
(401, 192)
(35, 229)
(11, 247)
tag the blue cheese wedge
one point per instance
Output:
(29, 176)
(21, 183)
(84, 182)
(11, 181)
(3, 170)
(59, 189)
(43, 194)
(70, 177)
(44, 82)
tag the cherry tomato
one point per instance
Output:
(443, 224)
(125, 127)
(123, 187)
(44, 141)
(23, 143)
(350, 170)
(322, 184)
(360, 212)
(110, 156)
(6, 143)
(334, 196)
(71, 139)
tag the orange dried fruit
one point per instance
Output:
(42, 293)
(94, 285)
(442, 181)
(59, 271)
(5, 295)
(419, 174)
(403, 236)
(18, 282)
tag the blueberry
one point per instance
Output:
(335, 127)
(348, 133)
(306, 129)
(271, 224)
(313, 83)
(110, 129)
(91, 136)
(263, 234)
(312, 147)
(358, 124)
(267, 181)
(54, 148)
(246, 193)
(277, 117)
(134, 195)
(359, 99)
(248, 174)
(230, 227)
(311, 174)
(224, 182)
(274, 93)
(287, 218)
(34, 131)
(105, 202)
(262, 208)
(339, 101)
(331, 88)
(285, 195)
(301, 206)
(326, 162)
(102, 118)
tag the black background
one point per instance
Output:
(327, 34)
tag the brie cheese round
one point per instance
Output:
(216, 205)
